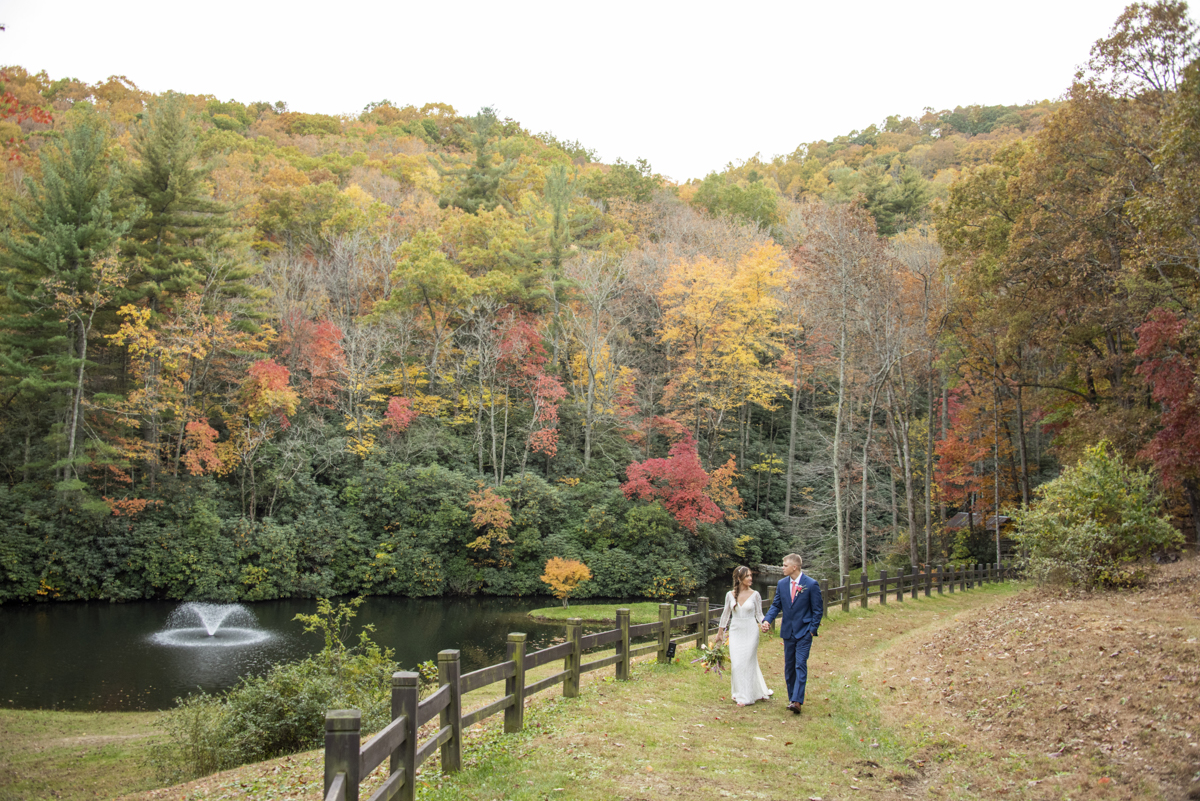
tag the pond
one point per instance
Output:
(114, 657)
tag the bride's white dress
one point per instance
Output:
(741, 623)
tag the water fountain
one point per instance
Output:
(203, 624)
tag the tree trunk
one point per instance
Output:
(929, 467)
(910, 498)
(1021, 450)
(945, 415)
(589, 417)
(1193, 496)
(843, 554)
(996, 475)
(866, 451)
(787, 496)
(76, 401)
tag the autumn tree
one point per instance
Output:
(721, 321)
(682, 486)
(564, 576)
(491, 515)
(594, 324)
(840, 250)
(259, 410)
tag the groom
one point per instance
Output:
(798, 597)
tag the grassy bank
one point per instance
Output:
(643, 612)
(73, 755)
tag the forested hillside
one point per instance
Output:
(248, 352)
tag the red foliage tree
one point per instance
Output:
(956, 474)
(679, 482)
(1170, 370)
(266, 392)
(11, 108)
(202, 454)
(314, 348)
(543, 436)
(399, 414)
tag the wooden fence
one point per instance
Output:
(348, 760)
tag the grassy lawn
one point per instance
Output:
(641, 612)
(73, 755)
(673, 732)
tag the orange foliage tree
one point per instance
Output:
(564, 577)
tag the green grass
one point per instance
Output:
(671, 730)
(73, 755)
(642, 612)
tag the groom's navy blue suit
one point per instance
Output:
(801, 619)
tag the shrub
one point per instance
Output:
(282, 712)
(1092, 521)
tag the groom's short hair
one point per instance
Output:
(794, 558)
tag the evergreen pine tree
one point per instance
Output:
(59, 270)
(478, 183)
(181, 233)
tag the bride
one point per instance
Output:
(743, 612)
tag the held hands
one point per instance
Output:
(764, 627)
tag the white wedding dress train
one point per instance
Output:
(741, 623)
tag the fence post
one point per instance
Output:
(962, 578)
(573, 660)
(342, 732)
(771, 598)
(995, 572)
(900, 584)
(916, 585)
(824, 600)
(845, 593)
(623, 645)
(883, 582)
(514, 685)
(941, 569)
(406, 694)
(448, 673)
(866, 577)
(928, 580)
(702, 604)
(664, 636)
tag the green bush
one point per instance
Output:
(282, 712)
(1092, 521)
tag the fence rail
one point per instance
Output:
(348, 760)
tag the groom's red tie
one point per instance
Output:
(793, 590)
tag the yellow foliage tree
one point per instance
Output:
(722, 323)
(564, 576)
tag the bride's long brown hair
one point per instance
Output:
(739, 572)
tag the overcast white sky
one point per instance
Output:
(688, 86)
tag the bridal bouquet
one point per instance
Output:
(714, 658)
